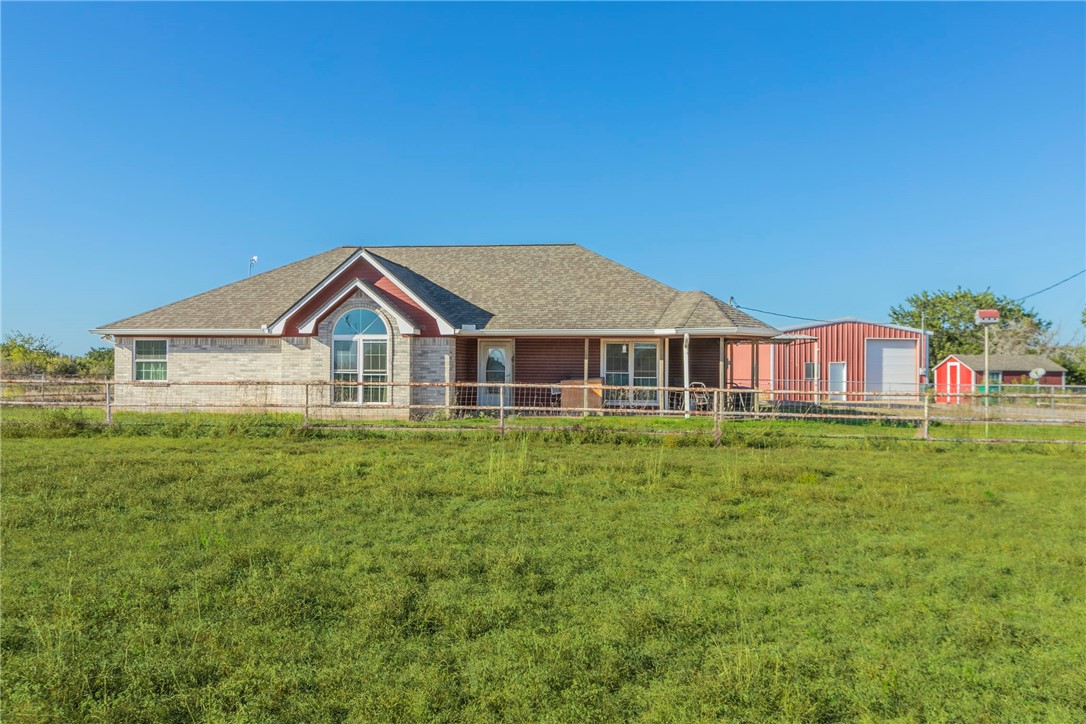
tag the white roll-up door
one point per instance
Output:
(891, 365)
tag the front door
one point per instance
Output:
(838, 380)
(495, 366)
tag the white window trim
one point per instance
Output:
(166, 360)
(630, 370)
(817, 371)
(360, 338)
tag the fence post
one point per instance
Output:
(716, 415)
(924, 429)
(109, 405)
(501, 411)
(305, 410)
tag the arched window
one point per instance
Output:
(360, 353)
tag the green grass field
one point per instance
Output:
(459, 577)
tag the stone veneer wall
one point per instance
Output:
(249, 360)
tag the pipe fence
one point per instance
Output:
(329, 402)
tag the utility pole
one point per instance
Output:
(986, 317)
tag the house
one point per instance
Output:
(539, 314)
(836, 360)
(961, 374)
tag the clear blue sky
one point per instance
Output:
(822, 160)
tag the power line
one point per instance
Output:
(812, 319)
(1053, 286)
(778, 314)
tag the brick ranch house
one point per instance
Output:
(539, 314)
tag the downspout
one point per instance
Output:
(686, 373)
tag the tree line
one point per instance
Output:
(24, 354)
(949, 316)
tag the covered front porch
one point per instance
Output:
(665, 372)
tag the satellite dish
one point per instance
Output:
(1036, 374)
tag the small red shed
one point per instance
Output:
(959, 374)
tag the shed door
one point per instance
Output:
(891, 365)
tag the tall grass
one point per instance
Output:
(379, 578)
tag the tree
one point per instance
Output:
(26, 354)
(29, 354)
(949, 316)
(97, 362)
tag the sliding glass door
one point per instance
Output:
(632, 365)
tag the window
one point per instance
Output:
(150, 360)
(360, 331)
(631, 364)
(810, 371)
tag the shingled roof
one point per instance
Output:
(1009, 362)
(510, 287)
(243, 305)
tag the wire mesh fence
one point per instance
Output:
(1008, 411)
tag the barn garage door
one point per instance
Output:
(891, 365)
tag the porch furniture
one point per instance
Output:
(573, 393)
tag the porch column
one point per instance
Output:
(584, 393)
(721, 364)
(753, 365)
(756, 349)
(661, 375)
(667, 372)
(686, 374)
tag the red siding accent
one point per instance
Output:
(361, 269)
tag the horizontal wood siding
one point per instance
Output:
(553, 360)
(704, 362)
(467, 359)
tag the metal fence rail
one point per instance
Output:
(343, 401)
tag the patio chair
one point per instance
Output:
(700, 398)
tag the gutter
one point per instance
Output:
(678, 331)
(181, 332)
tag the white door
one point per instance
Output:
(838, 380)
(495, 365)
(891, 365)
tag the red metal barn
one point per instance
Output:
(837, 359)
(959, 374)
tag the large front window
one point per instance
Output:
(150, 360)
(360, 354)
(632, 365)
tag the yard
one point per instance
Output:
(459, 577)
